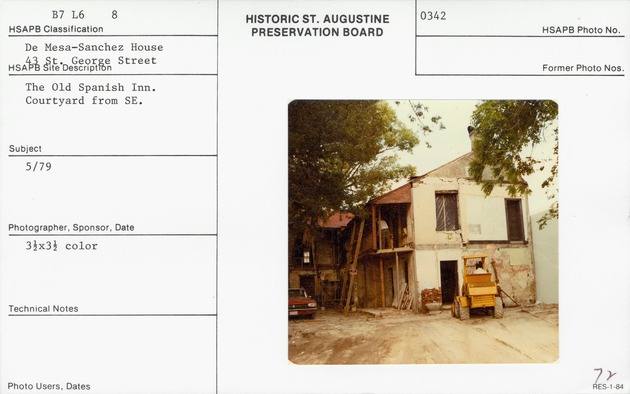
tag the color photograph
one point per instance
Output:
(423, 232)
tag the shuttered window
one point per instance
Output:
(446, 211)
(514, 213)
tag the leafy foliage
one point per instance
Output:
(504, 131)
(342, 154)
(418, 110)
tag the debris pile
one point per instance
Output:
(431, 295)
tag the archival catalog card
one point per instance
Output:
(275, 196)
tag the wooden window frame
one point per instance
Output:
(520, 224)
(443, 226)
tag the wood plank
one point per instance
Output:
(374, 274)
(397, 281)
(354, 265)
(348, 261)
(402, 298)
(374, 245)
(380, 232)
(382, 286)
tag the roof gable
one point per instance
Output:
(457, 168)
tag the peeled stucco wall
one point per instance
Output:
(514, 268)
(546, 257)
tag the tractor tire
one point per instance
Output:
(456, 309)
(498, 308)
(464, 313)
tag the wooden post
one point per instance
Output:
(374, 228)
(348, 260)
(397, 281)
(313, 261)
(398, 227)
(365, 278)
(380, 232)
(382, 286)
(373, 270)
(354, 265)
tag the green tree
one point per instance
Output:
(506, 134)
(342, 154)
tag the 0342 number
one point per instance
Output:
(433, 15)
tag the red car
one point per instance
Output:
(300, 304)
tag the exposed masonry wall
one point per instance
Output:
(515, 270)
(513, 263)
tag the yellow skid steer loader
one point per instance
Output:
(478, 291)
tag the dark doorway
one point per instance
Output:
(308, 283)
(448, 273)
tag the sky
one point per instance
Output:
(453, 142)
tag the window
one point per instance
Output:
(446, 211)
(514, 214)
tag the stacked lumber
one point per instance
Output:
(404, 299)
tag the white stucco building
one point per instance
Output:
(433, 221)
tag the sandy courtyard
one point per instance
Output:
(524, 335)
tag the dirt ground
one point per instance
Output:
(524, 335)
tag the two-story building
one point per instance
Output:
(413, 244)
(315, 259)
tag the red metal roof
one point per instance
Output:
(396, 196)
(337, 220)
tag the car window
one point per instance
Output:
(297, 293)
